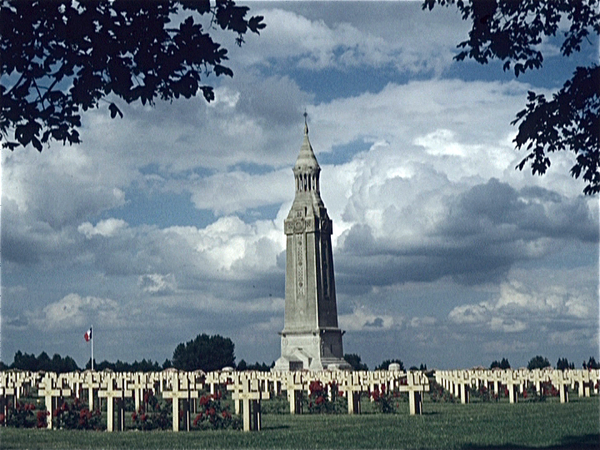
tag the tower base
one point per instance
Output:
(317, 350)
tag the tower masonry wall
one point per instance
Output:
(310, 338)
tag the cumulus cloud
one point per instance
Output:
(420, 322)
(104, 228)
(230, 247)
(74, 310)
(362, 319)
(157, 284)
(576, 337)
(62, 185)
(472, 233)
(237, 191)
(313, 44)
(363, 35)
(472, 314)
(519, 306)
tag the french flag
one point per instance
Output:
(88, 335)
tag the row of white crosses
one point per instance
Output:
(353, 384)
(247, 394)
(116, 387)
(459, 382)
(250, 388)
(15, 384)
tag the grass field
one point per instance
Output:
(453, 426)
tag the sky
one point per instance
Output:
(168, 223)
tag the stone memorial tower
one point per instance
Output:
(310, 338)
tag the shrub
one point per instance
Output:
(152, 414)
(76, 416)
(324, 399)
(384, 401)
(214, 415)
(531, 395)
(21, 416)
(483, 394)
(438, 394)
(548, 390)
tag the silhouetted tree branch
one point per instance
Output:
(61, 57)
(512, 32)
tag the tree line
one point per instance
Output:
(59, 364)
(205, 352)
(210, 353)
(541, 362)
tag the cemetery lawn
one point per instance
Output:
(477, 425)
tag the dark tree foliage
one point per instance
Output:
(58, 364)
(207, 353)
(591, 364)
(25, 361)
(503, 364)
(563, 364)
(260, 367)
(511, 31)
(538, 362)
(355, 361)
(386, 364)
(63, 365)
(59, 58)
(120, 366)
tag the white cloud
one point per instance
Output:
(74, 310)
(104, 228)
(471, 314)
(576, 337)
(365, 35)
(507, 325)
(440, 142)
(529, 300)
(290, 35)
(236, 191)
(362, 319)
(229, 247)
(508, 346)
(60, 186)
(423, 322)
(155, 283)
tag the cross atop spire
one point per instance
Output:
(305, 122)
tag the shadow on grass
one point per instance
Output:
(277, 427)
(586, 442)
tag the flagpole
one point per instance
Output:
(92, 339)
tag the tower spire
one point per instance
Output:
(305, 123)
(311, 338)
